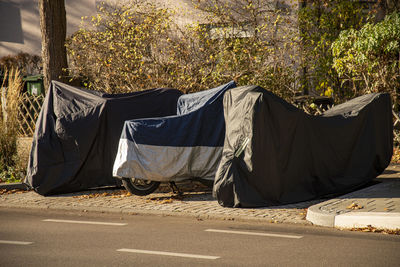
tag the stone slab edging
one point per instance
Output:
(385, 220)
(353, 219)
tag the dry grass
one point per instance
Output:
(10, 96)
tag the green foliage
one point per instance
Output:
(321, 22)
(368, 58)
(11, 174)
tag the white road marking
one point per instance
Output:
(253, 233)
(165, 253)
(15, 242)
(84, 222)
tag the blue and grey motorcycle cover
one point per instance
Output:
(178, 147)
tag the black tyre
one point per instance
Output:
(140, 187)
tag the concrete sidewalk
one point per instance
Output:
(377, 206)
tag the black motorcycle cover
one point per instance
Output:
(277, 154)
(77, 134)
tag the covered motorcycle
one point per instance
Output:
(77, 134)
(277, 154)
(173, 148)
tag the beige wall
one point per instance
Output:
(19, 23)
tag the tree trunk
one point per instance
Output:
(53, 26)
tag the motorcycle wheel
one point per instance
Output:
(140, 187)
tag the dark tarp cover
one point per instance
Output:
(77, 134)
(178, 147)
(276, 154)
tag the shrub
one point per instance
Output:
(116, 55)
(136, 46)
(249, 42)
(369, 59)
(321, 22)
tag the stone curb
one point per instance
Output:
(364, 219)
(319, 217)
(335, 212)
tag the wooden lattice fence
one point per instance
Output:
(28, 113)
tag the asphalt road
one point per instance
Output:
(48, 238)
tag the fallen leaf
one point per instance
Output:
(354, 206)
(166, 201)
(372, 229)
